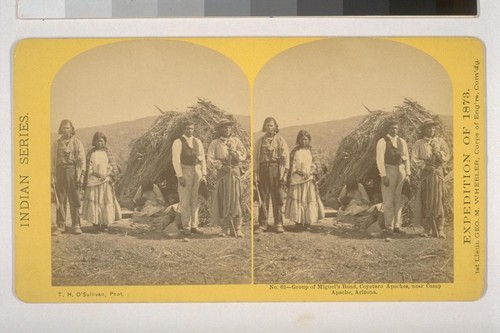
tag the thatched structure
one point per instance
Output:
(151, 154)
(356, 154)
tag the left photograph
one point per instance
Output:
(150, 167)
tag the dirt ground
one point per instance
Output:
(335, 252)
(138, 253)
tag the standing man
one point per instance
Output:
(188, 158)
(270, 172)
(393, 164)
(68, 171)
(428, 156)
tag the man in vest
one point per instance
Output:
(188, 158)
(393, 164)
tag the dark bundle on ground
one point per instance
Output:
(151, 154)
(356, 154)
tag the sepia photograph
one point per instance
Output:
(353, 165)
(150, 167)
(250, 169)
(294, 171)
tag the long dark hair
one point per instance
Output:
(98, 135)
(66, 122)
(301, 134)
(268, 119)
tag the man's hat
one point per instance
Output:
(427, 122)
(223, 122)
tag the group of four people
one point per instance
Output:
(287, 179)
(97, 171)
(296, 173)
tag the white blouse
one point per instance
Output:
(303, 163)
(99, 163)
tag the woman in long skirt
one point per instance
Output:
(100, 206)
(303, 204)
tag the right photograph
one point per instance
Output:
(353, 165)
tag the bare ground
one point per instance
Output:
(334, 252)
(140, 254)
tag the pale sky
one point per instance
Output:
(123, 81)
(331, 79)
(313, 82)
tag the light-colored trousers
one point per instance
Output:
(188, 195)
(391, 196)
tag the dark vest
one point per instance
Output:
(189, 156)
(393, 154)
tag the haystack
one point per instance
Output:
(151, 154)
(355, 157)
